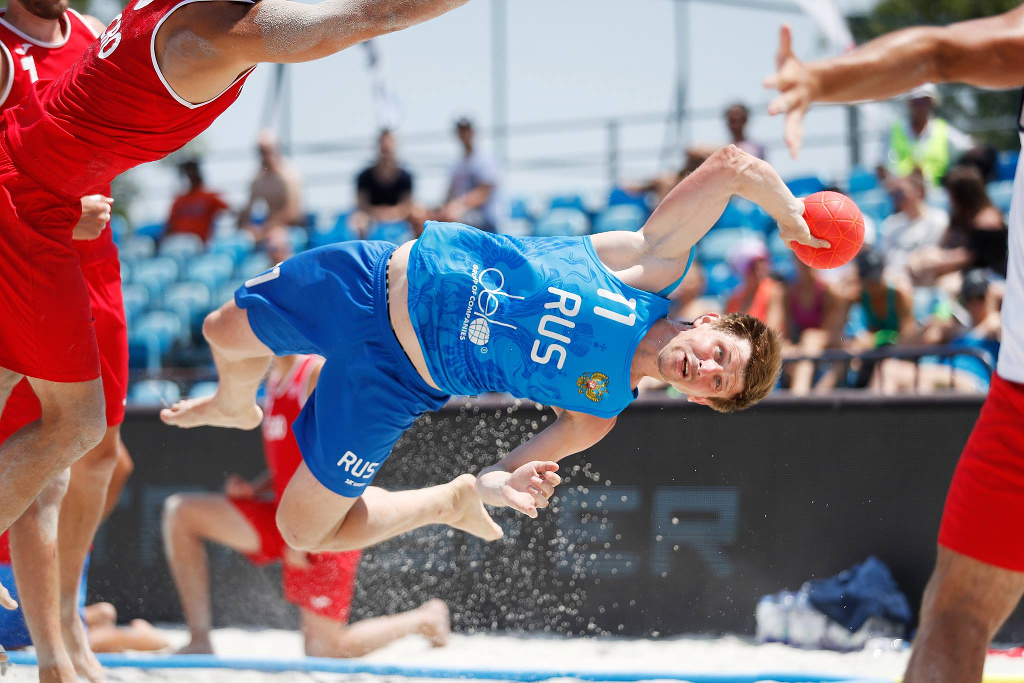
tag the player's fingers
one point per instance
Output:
(547, 489)
(785, 44)
(523, 502)
(795, 130)
(785, 102)
(6, 601)
(547, 466)
(810, 241)
(552, 478)
(538, 497)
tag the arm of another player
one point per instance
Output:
(987, 53)
(525, 478)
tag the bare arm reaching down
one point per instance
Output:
(656, 255)
(988, 53)
(203, 47)
(525, 478)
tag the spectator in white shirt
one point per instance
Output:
(914, 225)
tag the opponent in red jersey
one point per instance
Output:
(157, 77)
(979, 573)
(39, 40)
(243, 518)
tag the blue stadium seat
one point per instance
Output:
(517, 227)
(807, 185)
(329, 233)
(519, 208)
(861, 180)
(397, 232)
(300, 239)
(874, 204)
(154, 392)
(136, 300)
(156, 274)
(720, 279)
(1006, 165)
(191, 301)
(741, 213)
(138, 247)
(237, 245)
(202, 389)
(253, 265)
(119, 228)
(182, 247)
(153, 230)
(716, 245)
(620, 217)
(567, 201)
(563, 223)
(226, 292)
(620, 196)
(1001, 192)
(152, 337)
(212, 269)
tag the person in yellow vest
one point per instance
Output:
(924, 141)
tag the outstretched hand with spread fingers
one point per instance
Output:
(530, 487)
(797, 90)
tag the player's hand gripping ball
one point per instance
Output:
(835, 218)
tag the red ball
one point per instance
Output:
(834, 217)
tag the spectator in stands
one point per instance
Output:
(279, 245)
(978, 327)
(194, 210)
(976, 236)
(887, 309)
(383, 190)
(474, 185)
(813, 313)
(924, 141)
(275, 196)
(914, 225)
(736, 117)
(758, 293)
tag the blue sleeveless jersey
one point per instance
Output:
(538, 317)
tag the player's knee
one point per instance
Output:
(47, 503)
(299, 536)
(220, 327)
(102, 459)
(76, 430)
(175, 510)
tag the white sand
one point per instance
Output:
(688, 654)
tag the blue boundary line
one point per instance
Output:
(345, 666)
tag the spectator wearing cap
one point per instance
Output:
(758, 293)
(194, 210)
(888, 309)
(736, 118)
(914, 226)
(474, 185)
(924, 141)
(383, 190)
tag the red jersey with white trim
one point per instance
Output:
(111, 111)
(31, 61)
(285, 397)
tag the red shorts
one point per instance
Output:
(46, 329)
(325, 587)
(104, 281)
(986, 497)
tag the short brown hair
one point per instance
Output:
(764, 366)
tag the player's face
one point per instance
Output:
(46, 9)
(704, 362)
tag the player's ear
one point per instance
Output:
(698, 399)
(705, 319)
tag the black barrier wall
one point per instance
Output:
(677, 522)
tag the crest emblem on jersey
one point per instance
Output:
(593, 384)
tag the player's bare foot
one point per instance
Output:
(197, 412)
(197, 646)
(469, 514)
(437, 624)
(147, 637)
(77, 643)
(57, 674)
(3, 661)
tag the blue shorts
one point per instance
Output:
(332, 301)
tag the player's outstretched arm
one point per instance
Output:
(696, 203)
(988, 53)
(525, 478)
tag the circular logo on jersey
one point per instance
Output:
(593, 385)
(479, 331)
